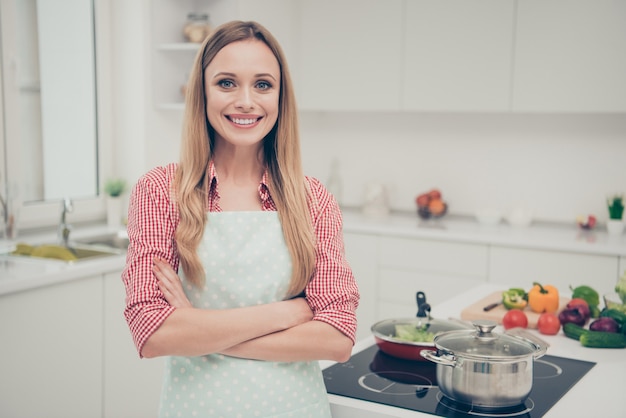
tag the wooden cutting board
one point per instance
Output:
(475, 310)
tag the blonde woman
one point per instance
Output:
(263, 289)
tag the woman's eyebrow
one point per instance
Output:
(233, 75)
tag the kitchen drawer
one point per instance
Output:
(430, 256)
(522, 267)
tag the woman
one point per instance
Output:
(264, 276)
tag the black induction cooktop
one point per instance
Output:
(374, 376)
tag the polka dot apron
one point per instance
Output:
(246, 263)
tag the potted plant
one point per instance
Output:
(114, 188)
(615, 223)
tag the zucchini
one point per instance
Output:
(601, 339)
(573, 331)
(619, 316)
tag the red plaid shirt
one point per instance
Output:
(153, 217)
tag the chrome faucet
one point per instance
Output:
(64, 227)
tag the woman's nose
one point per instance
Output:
(244, 99)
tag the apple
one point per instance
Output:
(434, 194)
(422, 200)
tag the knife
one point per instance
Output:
(491, 306)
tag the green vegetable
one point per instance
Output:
(514, 298)
(601, 339)
(620, 288)
(589, 295)
(409, 332)
(574, 331)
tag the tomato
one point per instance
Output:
(514, 318)
(548, 323)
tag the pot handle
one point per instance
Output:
(436, 357)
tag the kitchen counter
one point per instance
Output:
(599, 393)
(539, 235)
(23, 273)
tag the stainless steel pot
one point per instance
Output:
(483, 368)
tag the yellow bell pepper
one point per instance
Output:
(543, 298)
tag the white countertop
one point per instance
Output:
(599, 393)
(540, 236)
(23, 273)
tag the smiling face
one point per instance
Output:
(242, 93)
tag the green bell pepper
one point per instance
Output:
(514, 298)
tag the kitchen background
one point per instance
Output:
(558, 163)
(499, 103)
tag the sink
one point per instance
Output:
(75, 252)
(112, 240)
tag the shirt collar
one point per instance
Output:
(264, 191)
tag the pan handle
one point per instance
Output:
(423, 308)
(437, 357)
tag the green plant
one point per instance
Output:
(616, 206)
(115, 187)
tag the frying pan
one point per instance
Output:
(384, 331)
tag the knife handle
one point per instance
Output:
(490, 307)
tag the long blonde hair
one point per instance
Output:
(281, 147)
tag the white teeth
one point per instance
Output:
(243, 121)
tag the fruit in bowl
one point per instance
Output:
(586, 222)
(431, 205)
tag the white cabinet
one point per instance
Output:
(132, 386)
(350, 55)
(570, 56)
(362, 254)
(521, 267)
(440, 269)
(51, 362)
(458, 55)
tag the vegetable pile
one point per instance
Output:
(409, 332)
(582, 319)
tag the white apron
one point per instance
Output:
(246, 263)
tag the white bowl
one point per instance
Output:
(520, 217)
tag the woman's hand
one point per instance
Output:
(170, 284)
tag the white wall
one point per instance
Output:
(560, 165)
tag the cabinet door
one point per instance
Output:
(351, 55)
(51, 362)
(438, 268)
(458, 55)
(132, 386)
(362, 254)
(570, 56)
(521, 267)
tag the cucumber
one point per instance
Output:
(573, 331)
(619, 316)
(601, 339)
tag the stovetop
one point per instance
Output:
(374, 376)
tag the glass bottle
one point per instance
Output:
(197, 27)
(334, 183)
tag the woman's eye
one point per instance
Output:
(263, 85)
(225, 84)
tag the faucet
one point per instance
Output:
(64, 227)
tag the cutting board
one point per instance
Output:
(475, 310)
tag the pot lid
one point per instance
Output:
(482, 343)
